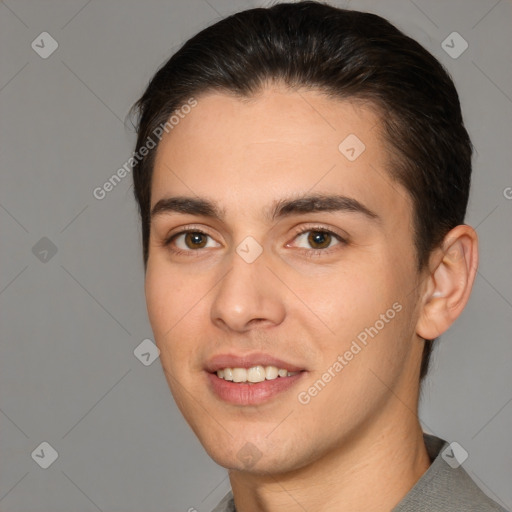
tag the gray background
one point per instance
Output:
(70, 321)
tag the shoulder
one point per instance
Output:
(445, 486)
(226, 505)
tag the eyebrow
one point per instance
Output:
(279, 209)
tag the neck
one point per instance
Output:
(371, 471)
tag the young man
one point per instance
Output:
(302, 174)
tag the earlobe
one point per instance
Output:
(450, 281)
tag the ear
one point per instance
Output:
(452, 271)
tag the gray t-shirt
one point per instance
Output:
(443, 487)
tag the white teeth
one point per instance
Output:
(239, 375)
(256, 374)
(253, 374)
(271, 372)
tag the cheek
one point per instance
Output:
(176, 313)
(169, 294)
(166, 305)
(347, 301)
(368, 306)
(158, 300)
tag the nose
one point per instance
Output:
(248, 296)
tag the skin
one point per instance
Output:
(362, 430)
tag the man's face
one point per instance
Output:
(337, 302)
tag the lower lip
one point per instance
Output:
(251, 394)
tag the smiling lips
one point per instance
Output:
(250, 379)
(253, 374)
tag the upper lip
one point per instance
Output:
(221, 361)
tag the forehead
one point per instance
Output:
(246, 151)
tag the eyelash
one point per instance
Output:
(309, 252)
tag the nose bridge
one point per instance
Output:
(248, 291)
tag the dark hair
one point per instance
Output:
(347, 55)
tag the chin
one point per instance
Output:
(252, 452)
(252, 461)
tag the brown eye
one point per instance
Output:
(195, 240)
(319, 239)
(190, 241)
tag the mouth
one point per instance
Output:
(254, 374)
(251, 380)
